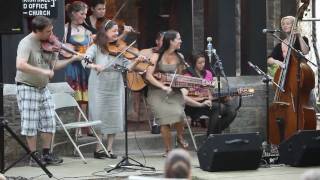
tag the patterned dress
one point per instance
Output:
(76, 75)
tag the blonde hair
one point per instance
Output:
(291, 18)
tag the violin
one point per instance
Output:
(54, 45)
(135, 81)
(66, 50)
(129, 52)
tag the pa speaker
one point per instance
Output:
(302, 149)
(11, 17)
(226, 152)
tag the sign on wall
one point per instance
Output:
(47, 8)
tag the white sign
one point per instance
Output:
(40, 8)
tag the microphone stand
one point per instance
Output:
(217, 68)
(124, 163)
(266, 79)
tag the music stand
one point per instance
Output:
(4, 125)
(124, 163)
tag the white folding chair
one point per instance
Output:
(64, 100)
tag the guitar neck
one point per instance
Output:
(224, 94)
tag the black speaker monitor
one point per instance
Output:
(11, 17)
(302, 149)
(225, 152)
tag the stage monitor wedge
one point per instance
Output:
(11, 17)
(302, 149)
(229, 152)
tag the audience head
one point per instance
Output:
(2, 177)
(178, 164)
(312, 174)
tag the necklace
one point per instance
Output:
(76, 27)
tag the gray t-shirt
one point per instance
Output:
(30, 48)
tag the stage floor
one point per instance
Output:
(74, 168)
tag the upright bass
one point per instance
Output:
(290, 110)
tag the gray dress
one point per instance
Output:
(106, 92)
(167, 109)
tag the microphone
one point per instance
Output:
(254, 67)
(209, 48)
(265, 31)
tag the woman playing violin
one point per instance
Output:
(106, 87)
(94, 21)
(80, 38)
(98, 10)
(168, 103)
(280, 50)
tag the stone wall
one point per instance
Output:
(273, 21)
(198, 29)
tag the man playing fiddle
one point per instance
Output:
(33, 96)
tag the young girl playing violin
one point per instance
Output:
(106, 87)
(168, 103)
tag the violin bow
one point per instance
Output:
(121, 53)
(119, 10)
(125, 49)
(174, 76)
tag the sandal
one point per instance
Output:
(99, 154)
(182, 143)
(111, 155)
(165, 154)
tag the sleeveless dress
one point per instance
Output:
(167, 109)
(76, 75)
